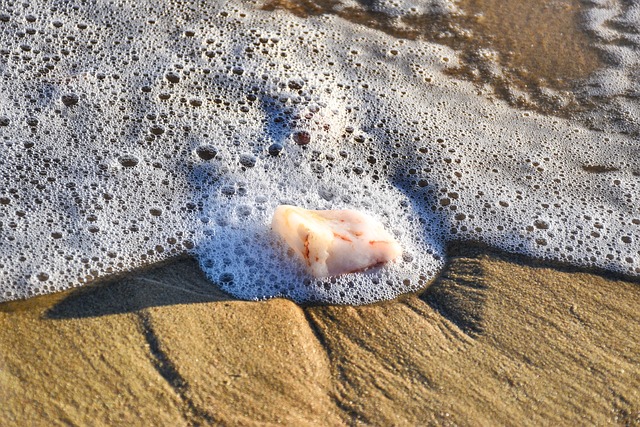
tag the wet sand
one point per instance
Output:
(493, 340)
(533, 56)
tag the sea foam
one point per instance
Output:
(133, 132)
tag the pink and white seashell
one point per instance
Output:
(335, 242)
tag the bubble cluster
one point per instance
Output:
(132, 133)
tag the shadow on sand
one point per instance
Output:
(458, 293)
(180, 281)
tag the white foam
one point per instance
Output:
(390, 134)
(614, 24)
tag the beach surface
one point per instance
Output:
(492, 341)
(496, 339)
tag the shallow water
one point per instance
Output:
(134, 132)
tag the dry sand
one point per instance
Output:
(491, 341)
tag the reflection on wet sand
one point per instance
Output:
(533, 55)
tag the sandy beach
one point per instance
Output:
(492, 341)
(496, 339)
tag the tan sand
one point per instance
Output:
(491, 341)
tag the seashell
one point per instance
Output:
(335, 242)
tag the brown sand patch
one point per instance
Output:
(493, 341)
(539, 42)
(534, 55)
(164, 346)
(537, 347)
(91, 371)
(249, 362)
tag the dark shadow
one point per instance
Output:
(459, 292)
(468, 248)
(180, 281)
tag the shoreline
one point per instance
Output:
(488, 340)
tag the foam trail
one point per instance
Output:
(165, 149)
(615, 89)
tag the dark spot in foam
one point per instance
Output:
(302, 137)
(70, 99)
(599, 168)
(206, 152)
(172, 77)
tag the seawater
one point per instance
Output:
(132, 132)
